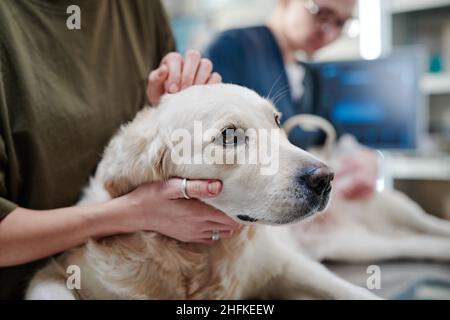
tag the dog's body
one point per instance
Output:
(388, 225)
(261, 261)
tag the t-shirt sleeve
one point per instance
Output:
(227, 55)
(6, 206)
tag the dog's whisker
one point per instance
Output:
(280, 96)
(274, 85)
(278, 90)
(275, 97)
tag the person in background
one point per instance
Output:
(63, 95)
(264, 58)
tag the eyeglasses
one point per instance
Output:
(326, 18)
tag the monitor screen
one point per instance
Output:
(377, 101)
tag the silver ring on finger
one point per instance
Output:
(184, 189)
(215, 235)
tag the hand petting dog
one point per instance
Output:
(181, 218)
(176, 73)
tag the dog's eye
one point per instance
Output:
(278, 119)
(232, 137)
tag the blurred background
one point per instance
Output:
(380, 28)
(393, 52)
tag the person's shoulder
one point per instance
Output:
(241, 34)
(233, 41)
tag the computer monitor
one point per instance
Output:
(377, 101)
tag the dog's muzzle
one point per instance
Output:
(318, 180)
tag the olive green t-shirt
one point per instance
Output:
(64, 93)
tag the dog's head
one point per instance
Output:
(221, 132)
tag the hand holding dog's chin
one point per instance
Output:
(177, 73)
(160, 207)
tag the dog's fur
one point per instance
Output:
(262, 260)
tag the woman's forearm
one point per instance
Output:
(27, 235)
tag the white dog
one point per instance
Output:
(261, 261)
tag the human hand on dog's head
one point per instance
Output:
(177, 73)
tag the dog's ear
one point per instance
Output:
(148, 167)
(161, 164)
(117, 187)
(137, 155)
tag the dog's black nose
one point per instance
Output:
(318, 179)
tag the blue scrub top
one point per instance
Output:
(251, 57)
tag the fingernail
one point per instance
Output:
(173, 88)
(214, 187)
